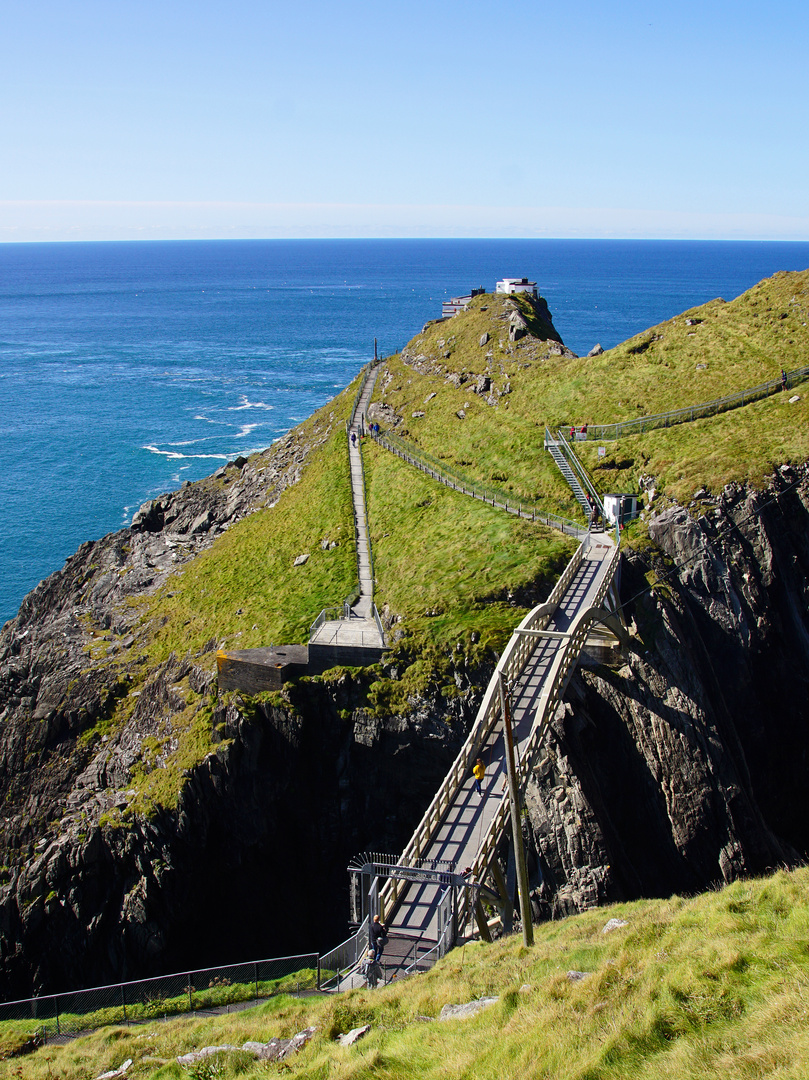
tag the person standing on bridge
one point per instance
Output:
(479, 771)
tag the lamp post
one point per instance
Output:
(516, 820)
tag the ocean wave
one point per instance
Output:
(245, 430)
(173, 455)
(247, 404)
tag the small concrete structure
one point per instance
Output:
(516, 285)
(254, 670)
(620, 507)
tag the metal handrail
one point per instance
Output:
(451, 478)
(570, 454)
(696, 412)
(558, 676)
(511, 664)
(345, 957)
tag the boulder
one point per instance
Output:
(301, 560)
(484, 338)
(463, 1012)
(596, 350)
(517, 326)
(354, 1035)
(207, 1051)
(122, 1070)
(614, 924)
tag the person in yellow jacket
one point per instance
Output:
(479, 771)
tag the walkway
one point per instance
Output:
(469, 829)
(359, 627)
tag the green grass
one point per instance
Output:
(456, 572)
(715, 986)
(744, 446)
(243, 592)
(19, 1036)
(729, 347)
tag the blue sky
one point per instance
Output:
(171, 120)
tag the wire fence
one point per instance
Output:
(607, 432)
(209, 989)
(493, 496)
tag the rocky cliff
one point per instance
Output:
(687, 765)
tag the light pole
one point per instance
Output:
(516, 817)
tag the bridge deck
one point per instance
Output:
(460, 833)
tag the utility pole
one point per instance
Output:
(516, 818)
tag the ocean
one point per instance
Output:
(128, 368)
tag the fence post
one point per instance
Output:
(255, 979)
(56, 1011)
(190, 995)
(318, 971)
(123, 1002)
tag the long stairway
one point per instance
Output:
(564, 468)
(359, 626)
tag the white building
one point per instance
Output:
(515, 285)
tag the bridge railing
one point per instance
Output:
(493, 496)
(606, 432)
(555, 683)
(511, 664)
(345, 958)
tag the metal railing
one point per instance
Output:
(493, 496)
(345, 958)
(511, 664)
(366, 374)
(558, 676)
(356, 521)
(576, 465)
(332, 614)
(208, 989)
(695, 412)
(446, 938)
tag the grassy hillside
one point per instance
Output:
(711, 986)
(457, 574)
(699, 355)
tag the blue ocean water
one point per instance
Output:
(127, 368)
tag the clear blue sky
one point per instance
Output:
(178, 119)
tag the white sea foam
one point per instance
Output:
(245, 430)
(247, 404)
(173, 455)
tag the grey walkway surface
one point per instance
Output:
(361, 628)
(465, 824)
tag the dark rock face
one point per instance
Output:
(688, 766)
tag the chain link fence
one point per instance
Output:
(209, 989)
(493, 496)
(605, 432)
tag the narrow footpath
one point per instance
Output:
(360, 628)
